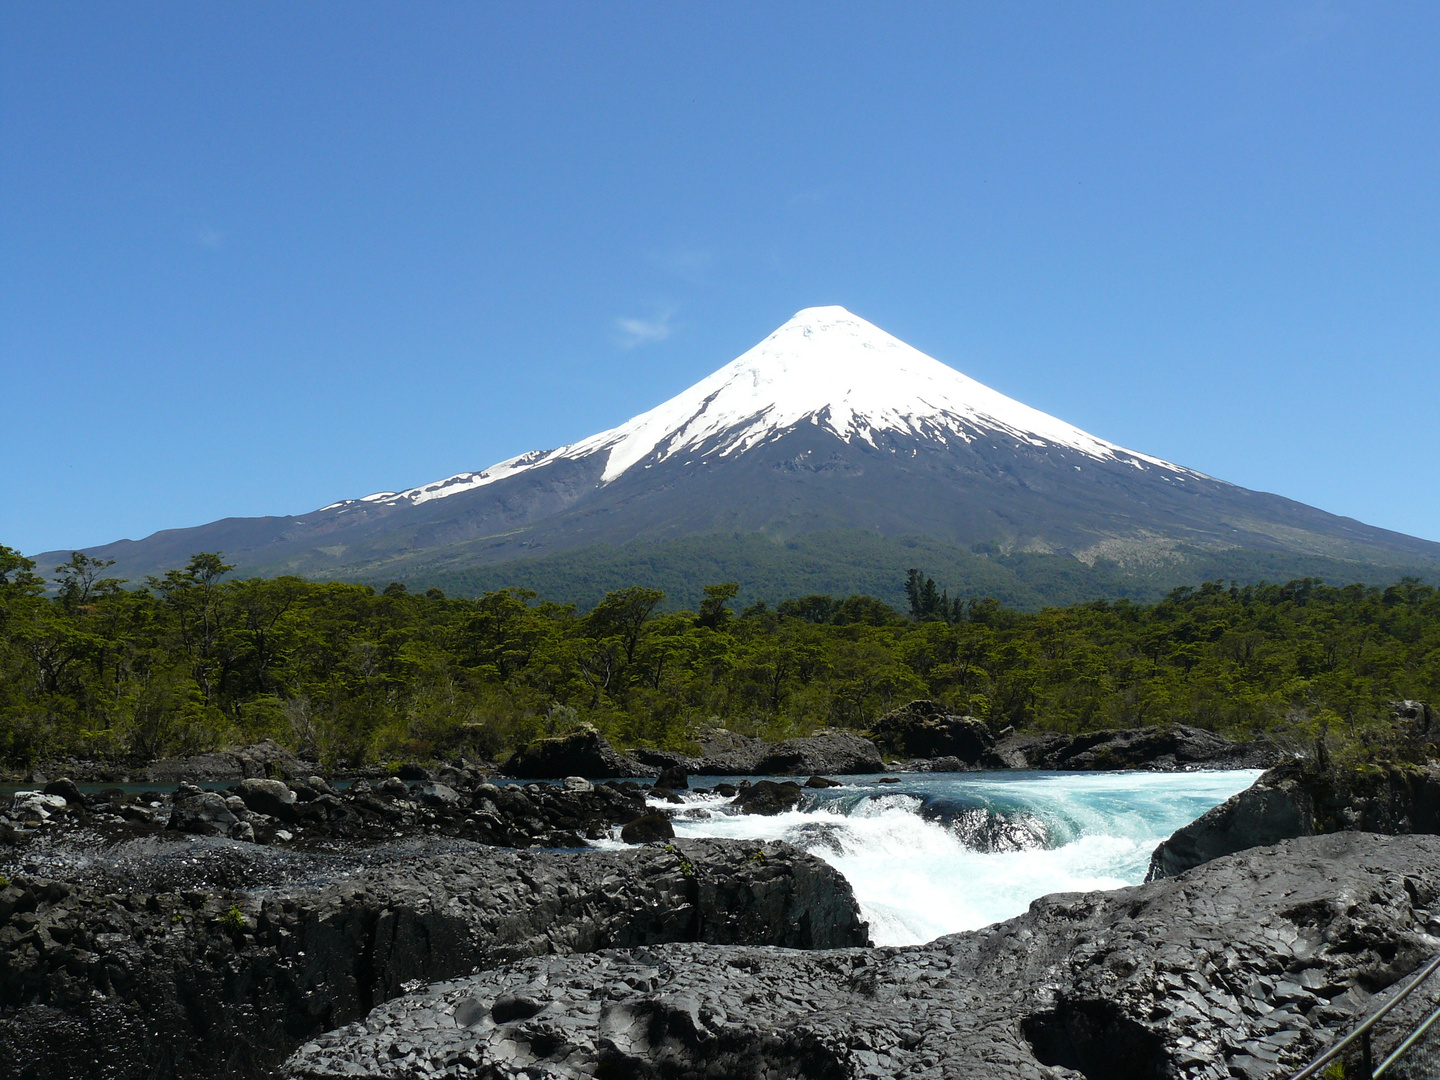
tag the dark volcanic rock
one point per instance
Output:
(582, 752)
(165, 961)
(266, 758)
(767, 797)
(831, 752)
(312, 813)
(729, 754)
(1300, 799)
(934, 764)
(433, 793)
(271, 797)
(66, 789)
(673, 777)
(1245, 967)
(1162, 749)
(647, 829)
(923, 729)
(201, 812)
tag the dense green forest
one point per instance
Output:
(353, 674)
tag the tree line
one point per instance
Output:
(352, 674)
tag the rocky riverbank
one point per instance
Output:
(921, 733)
(935, 740)
(1308, 798)
(195, 957)
(1244, 967)
(312, 814)
(918, 737)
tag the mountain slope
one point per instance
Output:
(829, 424)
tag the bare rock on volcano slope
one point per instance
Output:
(1245, 967)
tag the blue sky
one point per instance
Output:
(256, 258)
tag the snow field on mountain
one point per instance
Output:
(826, 367)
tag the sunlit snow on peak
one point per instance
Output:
(825, 367)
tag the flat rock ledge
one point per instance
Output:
(1244, 967)
(209, 957)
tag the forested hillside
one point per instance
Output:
(353, 674)
(843, 562)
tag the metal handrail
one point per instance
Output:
(1362, 1033)
(1414, 1037)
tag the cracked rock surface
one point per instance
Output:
(210, 957)
(1244, 967)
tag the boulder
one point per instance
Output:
(582, 752)
(66, 789)
(34, 807)
(768, 798)
(202, 812)
(434, 793)
(830, 752)
(822, 782)
(410, 772)
(577, 783)
(394, 787)
(924, 729)
(673, 777)
(270, 797)
(647, 829)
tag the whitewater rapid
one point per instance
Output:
(943, 852)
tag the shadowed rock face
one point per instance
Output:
(923, 729)
(1244, 967)
(207, 958)
(1299, 799)
(583, 752)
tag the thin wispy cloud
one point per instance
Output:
(635, 332)
(210, 238)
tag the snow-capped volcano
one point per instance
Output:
(825, 367)
(829, 429)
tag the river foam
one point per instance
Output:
(943, 852)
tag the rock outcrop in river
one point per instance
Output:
(1244, 967)
(207, 957)
(728, 754)
(1303, 798)
(935, 739)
